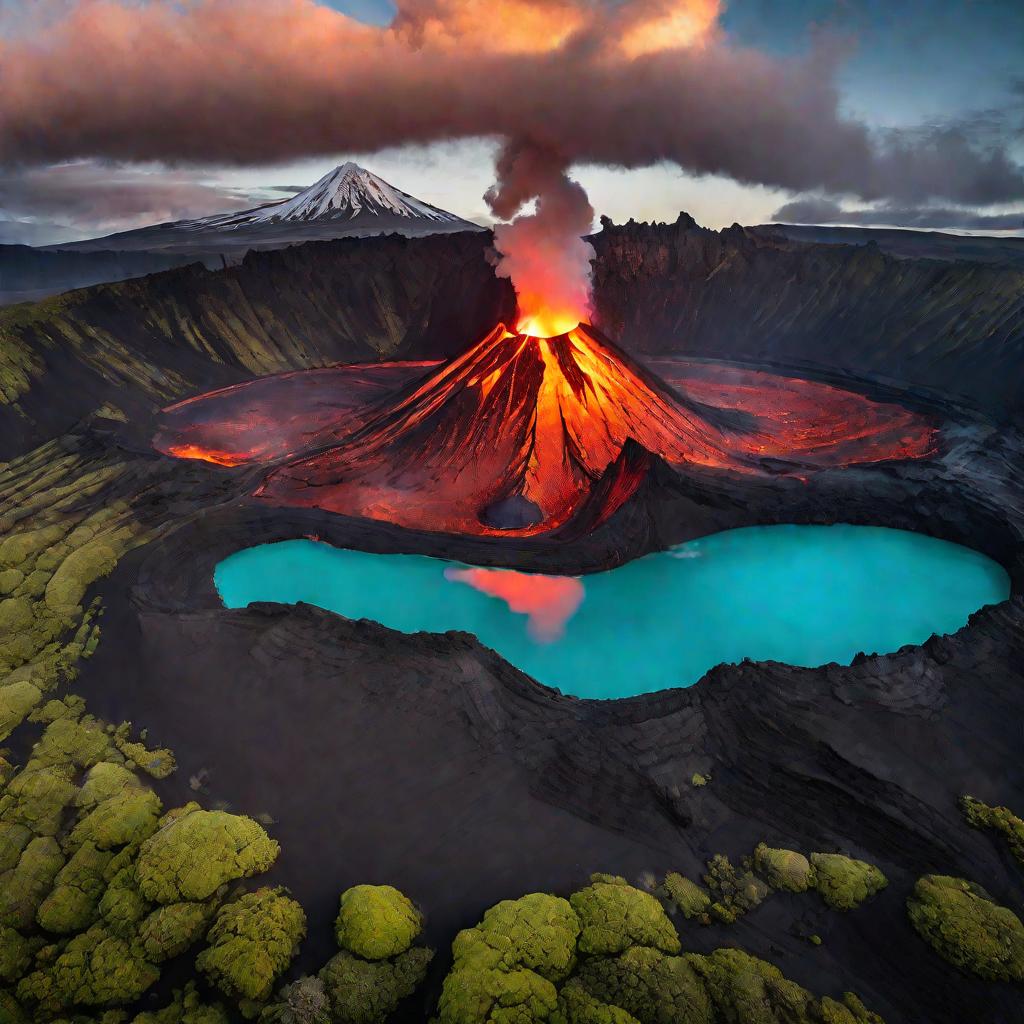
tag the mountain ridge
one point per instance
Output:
(347, 201)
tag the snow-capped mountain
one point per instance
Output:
(350, 200)
(344, 194)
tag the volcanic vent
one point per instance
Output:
(510, 435)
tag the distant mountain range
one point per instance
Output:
(350, 200)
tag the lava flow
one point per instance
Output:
(510, 435)
(520, 432)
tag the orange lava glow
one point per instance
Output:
(195, 451)
(547, 324)
(522, 433)
(549, 602)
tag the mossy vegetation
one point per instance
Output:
(998, 819)
(251, 943)
(783, 869)
(376, 922)
(843, 882)
(963, 924)
(501, 975)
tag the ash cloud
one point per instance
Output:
(818, 210)
(86, 194)
(626, 84)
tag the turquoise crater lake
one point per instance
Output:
(806, 595)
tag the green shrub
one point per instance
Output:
(302, 1002)
(577, 1006)
(251, 943)
(962, 923)
(14, 837)
(171, 929)
(72, 903)
(368, 991)
(692, 900)
(783, 869)
(735, 893)
(24, 887)
(129, 816)
(82, 567)
(650, 986)
(504, 968)
(16, 701)
(376, 921)
(185, 1008)
(614, 916)
(95, 968)
(1000, 819)
(122, 907)
(194, 852)
(743, 988)
(845, 883)
(15, 955)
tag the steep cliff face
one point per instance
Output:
(142, 344)
(952, 327)
(956, 328)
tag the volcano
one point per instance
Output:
(510, 435)
(520, 433)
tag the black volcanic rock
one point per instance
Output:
(512, 513)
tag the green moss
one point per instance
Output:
(1000, 819)
(577, 1006)
(650, 986)
(850, 1011)
(504, 968)
(96, 968)
(304, 1001)
(21, 548)
(734, 892)
(376, 921)
(122, 906)
(82, 567)
(10, 580)
(72, 904)
(11, 1011)
(194, 852)
(368, 992)
(129, 817)
(187, 1007)
(158, 763)
(16, 701)
(81, 743)
(743, 988)
(13, 839)
(783, 869)
(15, 954)
(537, 931)
(24, 887)
(251, 943)
(614, 916)
(171, 929)
(963, 924)
(691, 899)
(845, 883)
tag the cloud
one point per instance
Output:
(95, 196)
(819, 210)
(29, 232)
(622, 84)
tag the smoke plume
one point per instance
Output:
(560, 82)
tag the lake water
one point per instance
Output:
(806, 595)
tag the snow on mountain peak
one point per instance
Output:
(343, 194)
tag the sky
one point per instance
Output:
(906, 70)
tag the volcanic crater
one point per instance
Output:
(337, 392)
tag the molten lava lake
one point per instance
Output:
(806, 595)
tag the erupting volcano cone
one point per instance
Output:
(510, 435)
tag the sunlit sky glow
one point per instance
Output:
(909, 64)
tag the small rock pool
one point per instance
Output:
(806, 595)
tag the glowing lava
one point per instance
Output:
(517, 426)
(522, 433)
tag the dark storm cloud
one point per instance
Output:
(90, 193)
(252, 81)
(816, 210)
